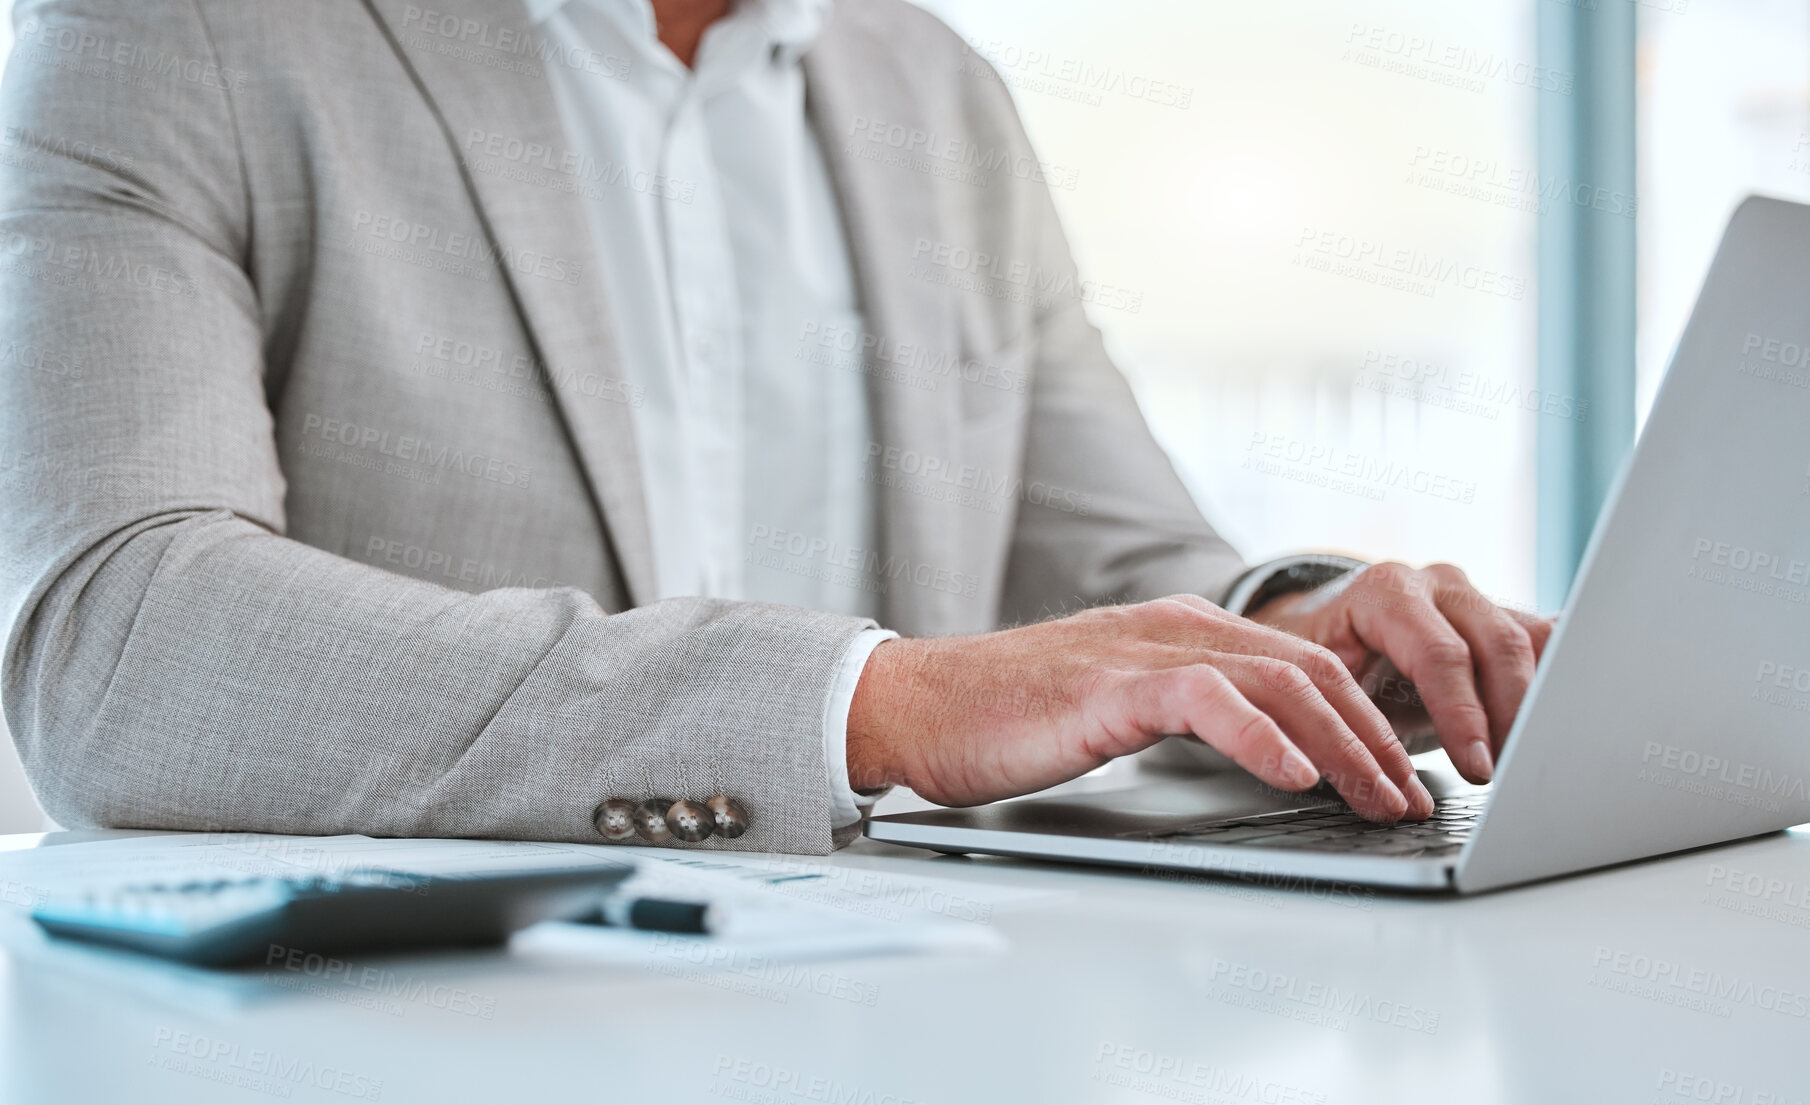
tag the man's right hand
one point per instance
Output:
(966, 720)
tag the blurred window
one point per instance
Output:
(1329, 212)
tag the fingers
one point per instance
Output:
(1340, 711)
(1412, 631)
(1201, 700)
(1539, 629)
(1501, 650)
(1358, 716)
(1297, 702)
(1365, 720)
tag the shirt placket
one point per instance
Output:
(707, 318)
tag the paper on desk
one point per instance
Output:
(767, 919)
(765, 925)
(878, 893)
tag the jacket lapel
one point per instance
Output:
(541, 234)
(885, 211)
(852, 76)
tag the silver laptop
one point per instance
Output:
(1671, 709)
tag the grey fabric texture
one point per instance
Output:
(321, 504)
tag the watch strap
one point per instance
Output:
(1285, 576)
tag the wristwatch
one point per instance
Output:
(1287, 576)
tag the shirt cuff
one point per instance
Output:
(844, 803)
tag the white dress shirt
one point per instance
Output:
(721, 247)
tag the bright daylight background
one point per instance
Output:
(1261, 370)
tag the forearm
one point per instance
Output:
(201, 672)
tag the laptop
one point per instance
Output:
(1671, 708)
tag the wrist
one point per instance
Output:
(878, 716)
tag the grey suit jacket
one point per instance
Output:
(321, 511)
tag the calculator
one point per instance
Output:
(232, 922)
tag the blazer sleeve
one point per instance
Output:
(1137, 533)
(171, 659)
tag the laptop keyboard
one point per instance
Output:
(1333, 829)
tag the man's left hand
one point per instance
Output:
(1470, 661)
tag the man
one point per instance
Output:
(482, 420)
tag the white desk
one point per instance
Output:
(1121, 989)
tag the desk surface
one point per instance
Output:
(1686, 979)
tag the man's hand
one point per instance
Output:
(965, 720)
(1469, 660)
